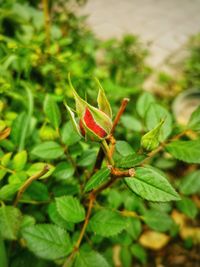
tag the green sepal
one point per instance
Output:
(72, 119)
(150, 140)
(80, 103)
(102, 101)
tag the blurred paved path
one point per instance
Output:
(164, 24)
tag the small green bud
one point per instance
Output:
(150, 140)
(47, 133)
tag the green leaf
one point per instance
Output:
(97, 179)
(143, 103)
(131, 123)
(188, 151)
(150, 184)
(125, 256)
(56, 218)
(21, 125)
(47, 241)
(194, 122)
(139, 252)
(19, 160)
(2, 174)
(90, 259)
(107, 223)
(150, 140)
(70, 209)
(10, 220)
(48, 150)
(7, 191)
(5, 160)
(87, 158)
(63, 171)
(52, 111)
(158, 220)
(154, 115)
(190, 184)
(69, 135)
(123, 148)
(27, 221)
(37, 191)
(188, 207)
(129, 161)
(134, 228)
(37, 167)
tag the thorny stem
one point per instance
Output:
(28, 182)
(47, 21)
(115, 174)
(100, 155)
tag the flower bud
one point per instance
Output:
(150, 140)
(47, 133)
(94, 124)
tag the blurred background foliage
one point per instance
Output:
(34, 63)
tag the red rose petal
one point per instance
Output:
(92, 125)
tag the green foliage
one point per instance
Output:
(70, 209)
(190, 184)
(47, 241)
(150, 184)
(156, 113)
(192, 66)
(52, 111)
(194, 122)
(97, 179)
(163, 224)
(90, 258)
(188, 151)
(50, 177)
(107, 223)
(48, 150)
(10, 219)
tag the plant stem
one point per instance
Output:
(77, 245)
(107, 152)
(47, 21)
(100, 155)
(115, 175)
(119, 113)
(28, 182)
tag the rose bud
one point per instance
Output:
(93, 123)
(150, 140)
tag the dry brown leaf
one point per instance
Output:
(5, 133)
(190, 232)
(154, 240)
(179, 218)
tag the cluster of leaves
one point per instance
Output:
(41, 226)
(192, 64)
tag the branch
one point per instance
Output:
(115, 175)
(119, 113)
(28, 182)
(100, 155)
